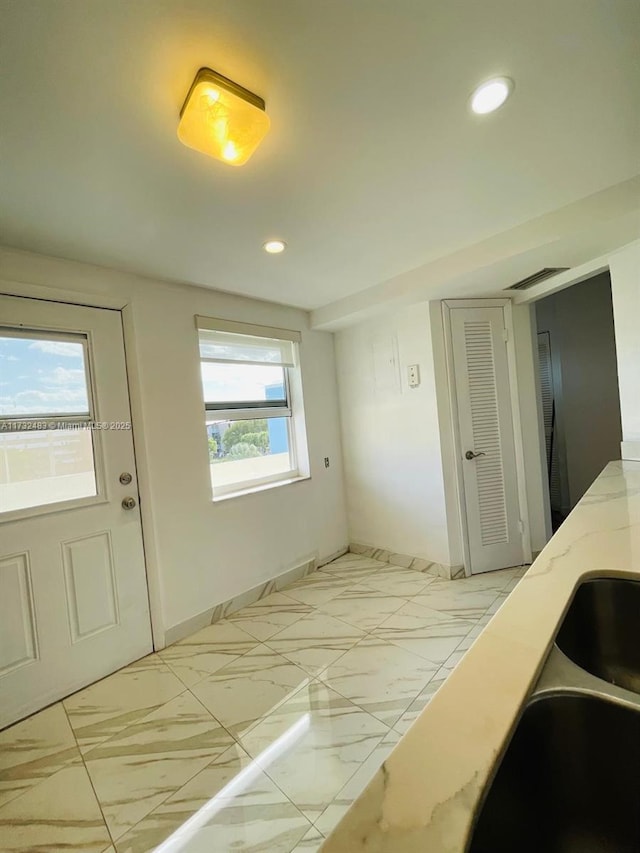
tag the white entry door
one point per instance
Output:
(485, 422)
(73, 592)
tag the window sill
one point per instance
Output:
(263, 488)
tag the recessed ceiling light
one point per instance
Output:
(491, 95)
(222, 119)
(274, 247)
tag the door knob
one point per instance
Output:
(471, 455)
(128, 503)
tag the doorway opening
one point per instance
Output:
(579, 389)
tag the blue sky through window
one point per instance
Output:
(42, 377)
(239, 382)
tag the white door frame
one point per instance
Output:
(447, 306)
(555, 284)
(149, 537)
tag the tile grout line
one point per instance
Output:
(89, 777)
(386, 616)
(364, 710)
(262, 769)
(357, 769)
(318, 613)
(311, 679)
(186, 781)
(17, 793)
(117, 734)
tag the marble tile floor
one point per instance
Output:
(256, 733)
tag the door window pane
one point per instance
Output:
(45, 458)
(45, 467)
(42, 376)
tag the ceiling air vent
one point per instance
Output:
(536, 278)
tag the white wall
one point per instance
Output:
(201, 553)
(580, 323)
(390, 435)
(624, 267)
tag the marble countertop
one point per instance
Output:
(424, 795)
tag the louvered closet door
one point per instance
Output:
(486, 429)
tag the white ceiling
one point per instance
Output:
(373, 166)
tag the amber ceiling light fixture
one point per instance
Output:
(222, 119)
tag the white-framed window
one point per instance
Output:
(247, 377)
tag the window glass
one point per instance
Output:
(46, 451)
(245, 383)
(243, 451)
(42, 377)
(234, 383)
(39, 467)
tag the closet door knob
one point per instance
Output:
(471, 455)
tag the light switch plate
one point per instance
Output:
(414, 375)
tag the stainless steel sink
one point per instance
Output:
(569, 781)
(601, 631)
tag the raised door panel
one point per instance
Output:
(18, 636)
(90, 583)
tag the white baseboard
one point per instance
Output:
(408, 561)
(323, 561)
(631, 450)
(244, 599)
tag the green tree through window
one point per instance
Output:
(250, 433)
